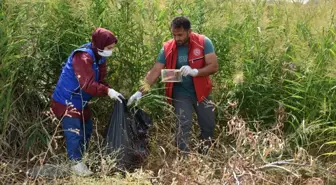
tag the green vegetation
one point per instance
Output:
(275, 92)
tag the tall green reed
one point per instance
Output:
(269, 58)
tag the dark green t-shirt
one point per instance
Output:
(186, 87)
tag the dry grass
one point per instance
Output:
(255, 157)
(267, 54)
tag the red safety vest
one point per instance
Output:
(202, 84)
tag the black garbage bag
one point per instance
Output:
(127, 134)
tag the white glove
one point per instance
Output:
(186, 70)
(114, 94)
(136, 96)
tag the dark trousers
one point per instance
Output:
(77, 135)
(184, 107)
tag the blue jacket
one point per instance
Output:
(68, 91)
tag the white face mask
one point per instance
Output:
(105, 53)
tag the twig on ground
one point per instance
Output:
(283, 168)
(235, 176)
(179, 174)
(236, 151)
(289, 161)
(266, 180)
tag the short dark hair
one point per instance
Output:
(180, 22)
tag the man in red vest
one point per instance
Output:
(194, 55)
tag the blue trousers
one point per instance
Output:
(77, 135)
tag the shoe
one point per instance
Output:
(81, 169)
(204, 147)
